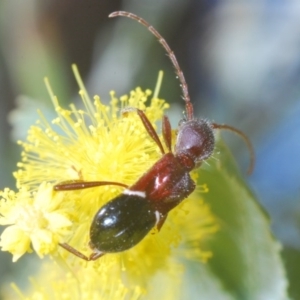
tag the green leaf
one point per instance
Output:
(246, 261)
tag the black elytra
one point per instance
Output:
(121, 223)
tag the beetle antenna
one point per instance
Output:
(178, 71)
(246, 140)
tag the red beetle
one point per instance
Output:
(125, 220)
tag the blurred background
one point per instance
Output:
(241, 61)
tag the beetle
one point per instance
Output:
(125, 220)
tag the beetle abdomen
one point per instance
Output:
(121, 223)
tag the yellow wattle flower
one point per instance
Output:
(35, 217)
(96, 143)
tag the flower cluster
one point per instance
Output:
(95, 143)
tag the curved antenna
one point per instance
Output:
(183, 84)
(246, 140)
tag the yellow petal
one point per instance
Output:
(57, 221)
(15, 241)
(42, 242)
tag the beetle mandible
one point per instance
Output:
(125, 220)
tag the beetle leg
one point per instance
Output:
(148, 126)
(79, 185)
(74, 251)
(93, 256)
(96, 255)
(167, 132)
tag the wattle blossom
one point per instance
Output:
(97, 143)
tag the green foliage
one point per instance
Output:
(246, 261)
